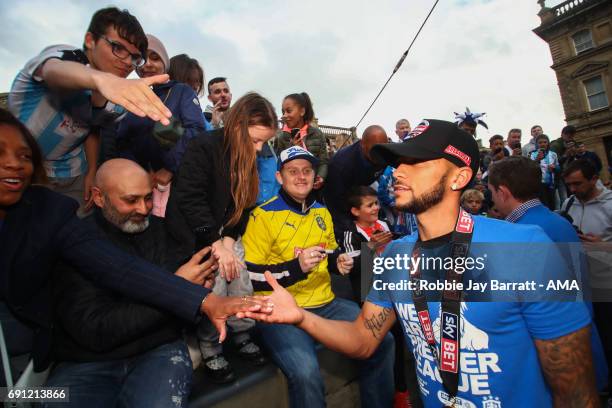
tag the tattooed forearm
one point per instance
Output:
(376, 322)
(568, 368)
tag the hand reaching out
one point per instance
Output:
(196, 272)
(135, 95)
(285, 309)
(219, 308)
(380, 239)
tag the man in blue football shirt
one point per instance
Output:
(512, 353)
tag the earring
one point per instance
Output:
(454, 187)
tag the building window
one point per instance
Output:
(596, 93)
(583, 41)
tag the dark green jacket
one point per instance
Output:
(558, 147)
(316, 143)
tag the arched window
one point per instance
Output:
(582, 41)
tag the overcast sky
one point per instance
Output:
(476, 53)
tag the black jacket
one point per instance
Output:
(347, 168)
(200, 198)
(42, 229)
(95, 324)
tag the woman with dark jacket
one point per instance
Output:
(298, 131)
(210, 202)
(143, 140)
(39, 228)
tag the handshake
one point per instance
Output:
(200, 270)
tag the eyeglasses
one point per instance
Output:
(120, 51)
(305, 172)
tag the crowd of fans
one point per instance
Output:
(131, 219)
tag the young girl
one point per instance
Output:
(210, 202)
(187, 70)
(297, 131)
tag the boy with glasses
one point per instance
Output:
(65, 93)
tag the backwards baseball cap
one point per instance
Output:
(296, 152)
(432, 139)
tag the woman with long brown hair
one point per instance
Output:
(213, 193)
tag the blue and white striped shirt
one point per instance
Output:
(60, 120)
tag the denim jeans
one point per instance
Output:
(293, 350)
(158, 378)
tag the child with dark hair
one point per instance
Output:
(298, 131)
(187, 70)
(363, 206)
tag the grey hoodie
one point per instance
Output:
(595, 217)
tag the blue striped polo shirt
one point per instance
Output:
(60, 120)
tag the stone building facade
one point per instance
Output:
(579, 34)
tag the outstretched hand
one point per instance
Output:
(135, 95)
(220, 308)
(285, 309)
(196, 272)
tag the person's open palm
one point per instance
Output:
(136, 96)
(285, 309)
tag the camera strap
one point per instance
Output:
(447, 357)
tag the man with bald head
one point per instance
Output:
(122, 192)
(350, 167)
(111, 349)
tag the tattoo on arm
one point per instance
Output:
(567, 363)
(376, 321)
